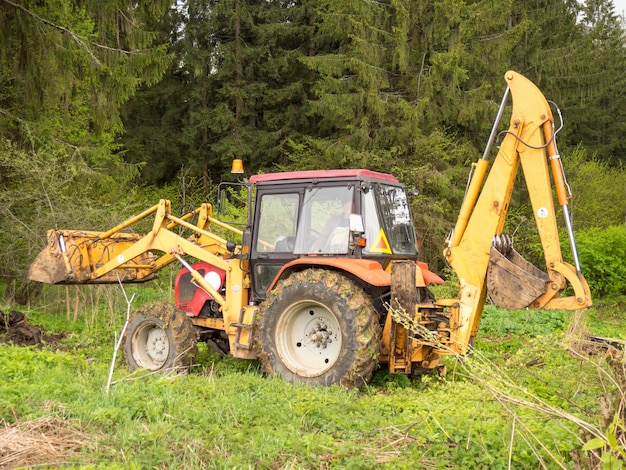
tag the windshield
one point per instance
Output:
(388, 224)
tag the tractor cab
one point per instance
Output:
(327, 214)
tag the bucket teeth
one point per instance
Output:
(503, 243)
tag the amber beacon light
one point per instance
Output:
(237, 166)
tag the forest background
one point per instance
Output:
(108, 106)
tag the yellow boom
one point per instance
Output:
(477, 251)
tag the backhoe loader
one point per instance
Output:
(325, 285)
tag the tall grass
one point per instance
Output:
(520, 401)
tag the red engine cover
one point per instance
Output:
(189, 297)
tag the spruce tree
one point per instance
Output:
(236, 89)
(65, 70)
(596, 109)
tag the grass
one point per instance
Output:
(521, 401)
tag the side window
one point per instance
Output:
(394, 208)
(393, 232)
(277, 223)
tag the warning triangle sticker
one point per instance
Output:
(381, 245)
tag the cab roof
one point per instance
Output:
(322, 174)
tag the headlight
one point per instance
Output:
(214, 279)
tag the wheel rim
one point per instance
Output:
(308, 338)
(150, 347)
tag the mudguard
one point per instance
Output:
(369, 271)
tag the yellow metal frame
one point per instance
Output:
(112, 256)
(530, 142)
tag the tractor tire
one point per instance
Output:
(318, 327)
(160, 337)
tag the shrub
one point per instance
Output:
(602, 256)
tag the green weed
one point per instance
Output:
(519, 401)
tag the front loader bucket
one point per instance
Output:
(512, 282)
(49, 267)
(73, 256)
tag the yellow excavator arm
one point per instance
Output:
(478, 252)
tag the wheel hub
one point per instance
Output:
(308, 338)
(157, 345)
(320, 335)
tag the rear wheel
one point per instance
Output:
(159, 337)
(319, 327)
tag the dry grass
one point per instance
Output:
(48, 440)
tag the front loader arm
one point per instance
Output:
(530, 140)
(86, 257)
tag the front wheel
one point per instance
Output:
(319, 327)
(159, 337)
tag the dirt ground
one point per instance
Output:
(15, 329)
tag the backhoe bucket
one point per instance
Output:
(73, 256)
(512, 282)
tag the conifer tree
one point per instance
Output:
(578, 66)
(65, 70)
(596, 110)
(236, 88)
(80, 62)
(360, 116)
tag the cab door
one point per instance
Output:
(276, 223)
